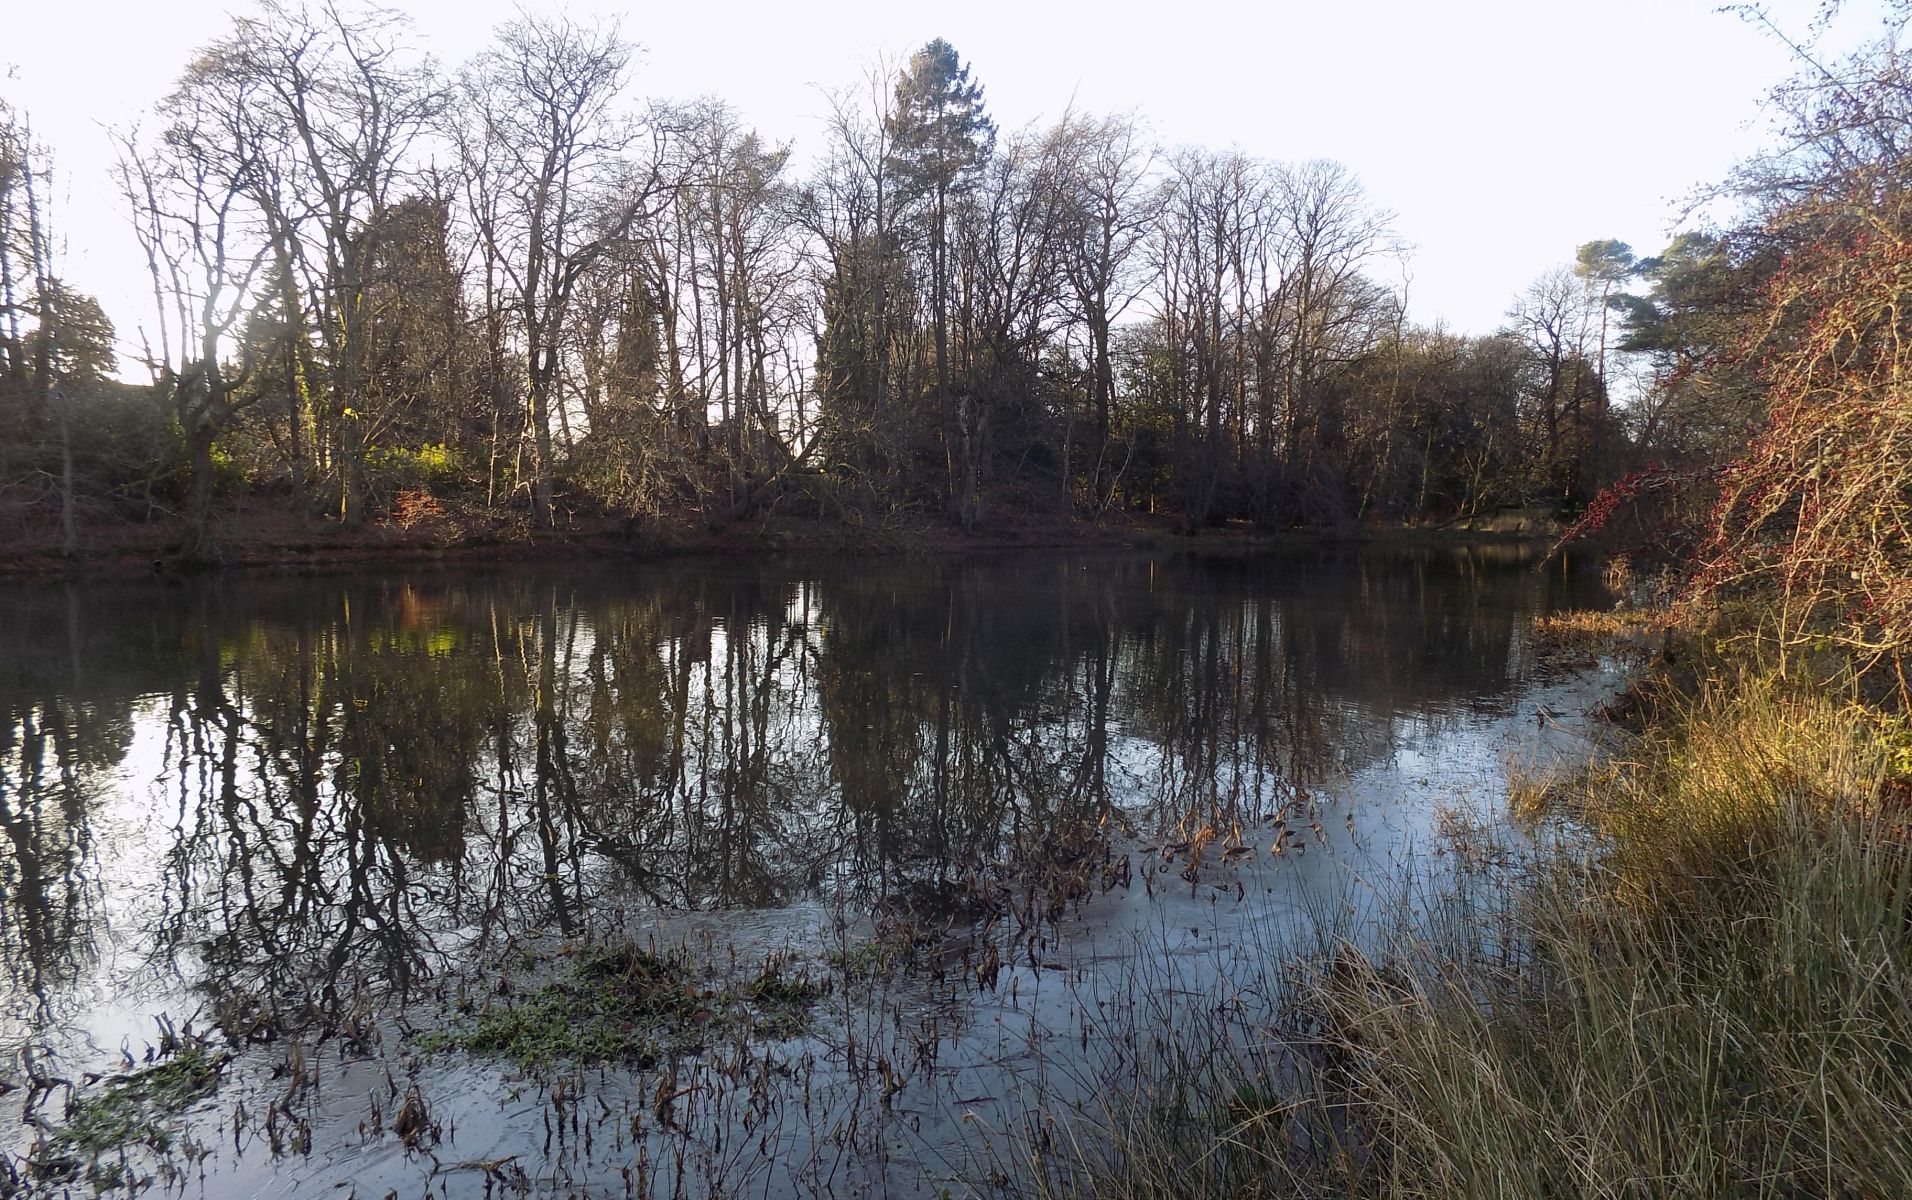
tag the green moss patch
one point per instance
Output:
(139, 1109)
(622, 1003)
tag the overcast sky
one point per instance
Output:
(1502, 133)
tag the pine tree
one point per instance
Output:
(942, 138)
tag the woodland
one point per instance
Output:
(516, 296)
(513, 300)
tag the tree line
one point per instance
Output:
(380, 287)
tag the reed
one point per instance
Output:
(1702, 986)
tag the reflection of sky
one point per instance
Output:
(122, 982)
(1357, 700)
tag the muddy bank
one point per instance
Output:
(256, 534)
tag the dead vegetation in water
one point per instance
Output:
(699, 1037)
(1710, 989)
(1537, 792)
(1580, 636)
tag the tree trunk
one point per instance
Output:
(541, 375)
(200, 545)
(69, 542)
(352, 475)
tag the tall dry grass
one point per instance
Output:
(1706, 990)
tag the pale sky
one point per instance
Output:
(1502, 133)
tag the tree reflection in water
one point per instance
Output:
(319, 792)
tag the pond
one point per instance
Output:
(698, 877)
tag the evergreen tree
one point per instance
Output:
(941, 139)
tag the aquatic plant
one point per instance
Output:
(138, 1109)
(625, 1003)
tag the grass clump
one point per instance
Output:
(1580, 632)
(873, 958)
(1719, 1003)
(1727, 777)
(139, 1109)
(1711, 995)
(624, 1003)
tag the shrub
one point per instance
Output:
(434, 468)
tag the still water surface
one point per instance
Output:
(285, 807)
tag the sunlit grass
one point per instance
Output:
(1705, 991)
(1589, 631)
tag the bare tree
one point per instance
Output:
(1333, 234)
(1109, 205)
(334, 99)
(851, 210)
(1555, 318)
(1008, 283)
(547, 147)
(190, 196)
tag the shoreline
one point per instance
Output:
(137, 550)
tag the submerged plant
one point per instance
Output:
(136, 1109)
(628, 1004)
